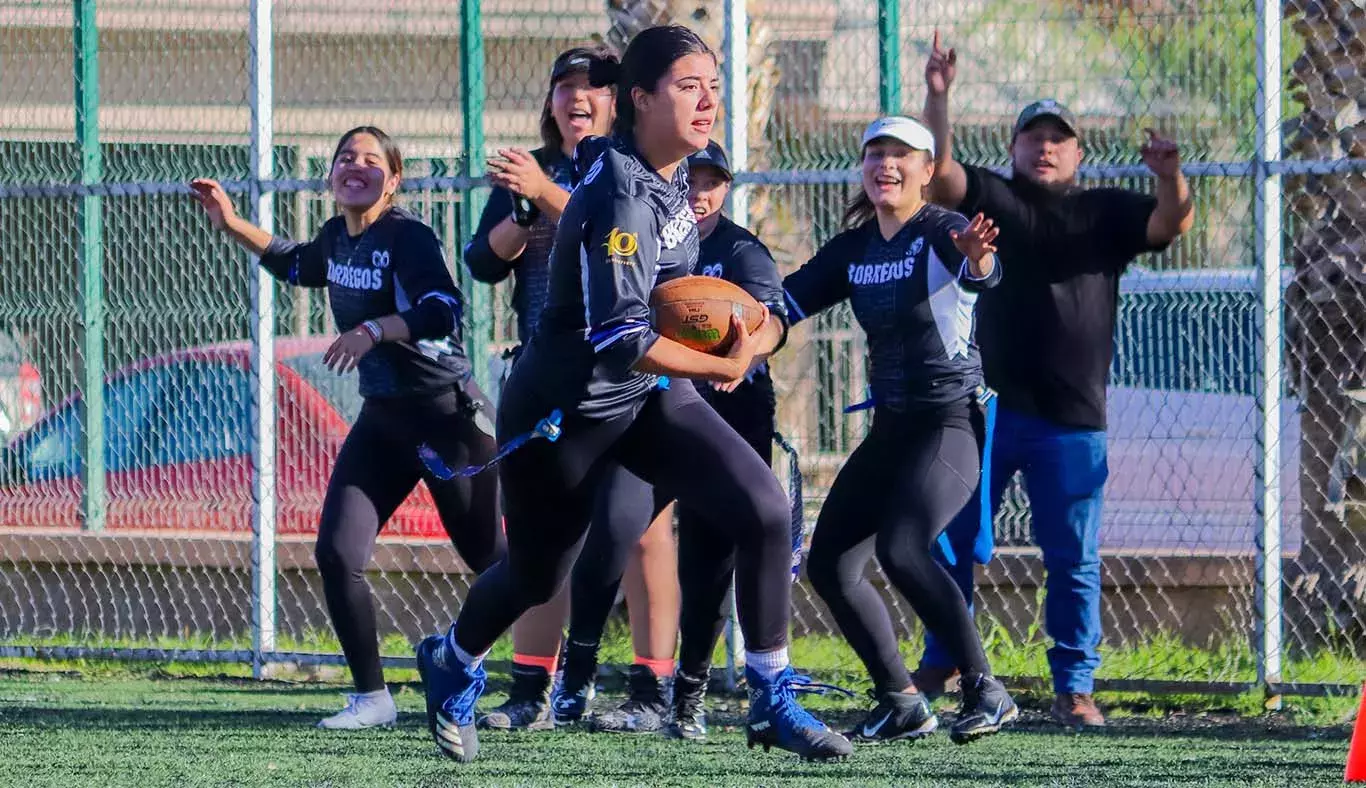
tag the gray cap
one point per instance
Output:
(1046, 108)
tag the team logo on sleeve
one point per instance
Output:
(622, 247)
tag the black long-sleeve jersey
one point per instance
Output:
(733, 253)
(395, 266)
(530, 269)
(914, 298)
(625, 230)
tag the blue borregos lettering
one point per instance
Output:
(355, 278)
(879, 273)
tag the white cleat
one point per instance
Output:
(363, 710)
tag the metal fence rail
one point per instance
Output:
(167, 421)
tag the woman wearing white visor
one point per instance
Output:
(911, 271)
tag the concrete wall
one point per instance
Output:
(139, 586)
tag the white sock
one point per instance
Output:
(767, 664)
(471, 661)
(374, 694)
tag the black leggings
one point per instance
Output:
(675, 442)
(706, 555)
(377, 468)
(900, 488)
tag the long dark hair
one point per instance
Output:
(392, 155)
(859, 209)
(551, 138)
(647, 60)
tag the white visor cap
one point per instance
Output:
(902, 129)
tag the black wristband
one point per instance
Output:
(524, 212)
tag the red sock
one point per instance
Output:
(548, 663)
(662, 668)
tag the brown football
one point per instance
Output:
(695, 311)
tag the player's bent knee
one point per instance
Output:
(334, 561)
(823, 574)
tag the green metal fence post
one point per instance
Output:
(889, 57)
(87, 73)
(479, 325)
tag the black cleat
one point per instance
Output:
(689, 720)
(987, 708)
(897, 716)
(644, 710)
(571, 698)
(528, 705)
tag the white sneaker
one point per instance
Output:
(364, 710)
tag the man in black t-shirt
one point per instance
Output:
(1046, 337)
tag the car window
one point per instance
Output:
(203, 413)
(53, 450)
(341, 391)
(130, 405)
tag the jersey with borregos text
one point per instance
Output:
(913, 295)
(396, 266)
(624, 231)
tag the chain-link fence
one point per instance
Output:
(132, 375)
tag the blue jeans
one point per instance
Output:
(1064, 472)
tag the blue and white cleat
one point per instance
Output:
(776, 719)
(452, 691)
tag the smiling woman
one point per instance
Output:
(912, 273)
(393, 298)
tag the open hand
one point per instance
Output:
(215, 202)
(1161, 155)
(941, 68)
(976, 241)
(518, 172)
(345, 353)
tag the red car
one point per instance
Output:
(178, 447)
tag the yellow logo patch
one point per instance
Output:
(621, 247)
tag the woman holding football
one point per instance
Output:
(597, 361)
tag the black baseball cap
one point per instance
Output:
(712, 156)
(1046, 108)
(599, 63)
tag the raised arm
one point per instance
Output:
(299, 263)
(950, 183)
(1175, 213)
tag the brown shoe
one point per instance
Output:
(1077, 710)
(935, 681)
